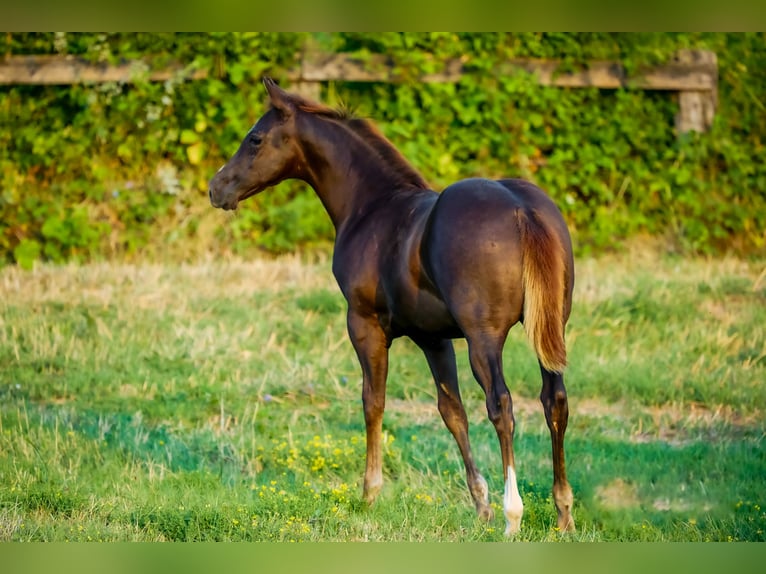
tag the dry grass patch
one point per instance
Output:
(617, 494)
(157, 286)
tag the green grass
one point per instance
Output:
(222, 401)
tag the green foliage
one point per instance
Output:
(90, 171)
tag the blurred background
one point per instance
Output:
(109, 140)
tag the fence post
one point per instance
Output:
(309, 90)
(696, 109)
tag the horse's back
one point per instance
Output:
(472, 248)
(479, 211)
(503, 194)
(484, 208)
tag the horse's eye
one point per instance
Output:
(255, 140)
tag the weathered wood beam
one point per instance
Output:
(678, 75)
(687, 74)
(58, 70)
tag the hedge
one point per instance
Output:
(120, 170)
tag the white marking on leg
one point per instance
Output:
(483, 488)
(512, 505)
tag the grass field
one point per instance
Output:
(222, 401)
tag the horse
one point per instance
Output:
(468, 262)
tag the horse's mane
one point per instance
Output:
(404, 174)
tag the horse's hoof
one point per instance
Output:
(566, 524)
(370, 494)
(485, 513)
(512, 526)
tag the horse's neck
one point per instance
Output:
(343, 175)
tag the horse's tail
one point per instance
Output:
(544, 277)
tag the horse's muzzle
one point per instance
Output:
(219, 198)
(214, 199)
(227, 204)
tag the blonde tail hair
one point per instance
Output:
(544, 281)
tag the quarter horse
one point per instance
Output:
(471, 261)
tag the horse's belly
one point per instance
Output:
(423, 313)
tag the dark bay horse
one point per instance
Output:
(469, 262)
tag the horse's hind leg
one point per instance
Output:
(486, 362)
(554, 399)
(441, 359)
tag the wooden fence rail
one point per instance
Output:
(692, 73)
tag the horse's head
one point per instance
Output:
(266, 156)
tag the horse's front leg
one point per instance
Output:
(371, 346)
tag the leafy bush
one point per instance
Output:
(121, 170)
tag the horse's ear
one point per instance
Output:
(280, 99)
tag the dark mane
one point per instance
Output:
(404, 174)
(369, 133)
